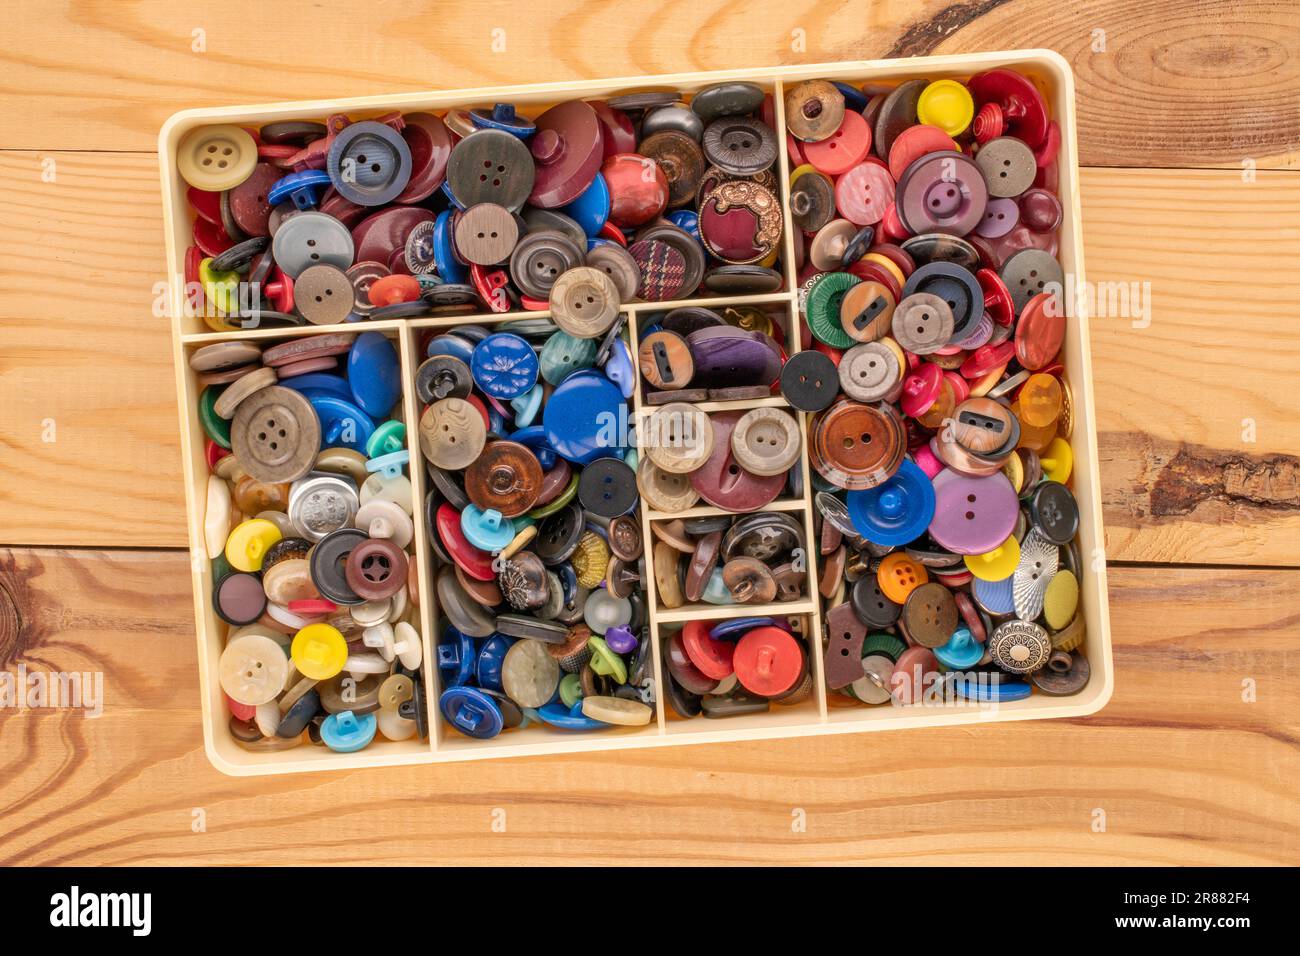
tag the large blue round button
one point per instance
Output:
(320, 381)
(374, 374)
(896, 511)
(342, 423)
(586, 418)
(568, 718)
(490, 660)
(456, 346)
(471, 711)
(591, 209)
(504, 366)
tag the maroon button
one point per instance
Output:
(620, 134)
(475, 563)
(1024, 114)
(1040, 331)
(429, 141)
(248, 203)
(683, 671)
(740, 221)
(723, 483)
(844, 636)
(663, 270)
(376, 569)
(568, 148)
(382, 236)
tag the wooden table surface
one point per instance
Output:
(1190, 132)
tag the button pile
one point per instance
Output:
(926, 247)
(308, 526)
(583, 207)
(534, 521)
(736, 667)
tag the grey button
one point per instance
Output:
(310, 238)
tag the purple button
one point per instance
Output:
(1000, 217)
(972, 515)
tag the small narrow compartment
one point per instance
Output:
(306, 584)
(535, 541)
(731, 674)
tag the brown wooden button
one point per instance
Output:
(1008, 166)
(505, 477)
(870, 372)
(766, 441)
(983, 426)
(814, 110)
(675, 534)
(663, 490)
(844, 636)
(668, 581)
(452, 433)
(828, 245)
(491, 165)
(930, 615)
(857, 446)
(323, 294)
(226, 376)
(867, 311)
(789, 581)
(224, 355)
(677, 437)
(682, 161)
(229, 400)
(922, 323)
(665, 360)
(486, 234)
(584, 302)
(703, 561)
(749, 580)
(620, 265)
(275, 434)
(308, 347)
(832, 576)
(625, 538)
(812, 201)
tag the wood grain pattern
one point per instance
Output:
(1185, 771)
(95, 360)
(85, 75)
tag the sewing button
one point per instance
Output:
(310, 238)
(504, 366)
(253, 669)
(470, 710)
(828, 245)
(1064, 674)
(1008, 166)
(1040, 210)
(466, 615)
(1019, 647)
(580, 416)
(930, 615)
(442, 377)
(946, 104)
(814, 110)
(485, 234)
(749, 581)
(369, 163)
(739, 146)
(812, 198)
(740, 222)
(1039, 560)
(663, 490)
(896, 511)
(675, 116)
(680, 158)
(867, 310)
(244, 386)
(524, 582)
(665, 360)
(1030, 273)
(864, 193)
(1000, 217)
(490, 166)
(897, 112)
(607, 488)
(872, 605)
(1040, 400)
(857, 446)
(995, 565)
(869, 372)
(956, 286)
(843, 149)
(723, 482)
(1020, 106)
(505, 477)
(1061, 600)
(808, 381)
(275, 434)
(1054, 512)
(942, 192)
(568, 148)
(323, 294)
(637, 187)
(529, 676)
(845, 634)
(922, 323)
(238, 598)
(215, 158)
(768, 661)
(973, 515)
(678, 438)
(713, 658)
(727, 356)
(319, 651)
(452, 433)
(619, 264)
(584, 302)
(766, 441)
(1040, 331)
(374, 373)
(899, 575)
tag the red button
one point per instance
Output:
(390, 290)
(477, 564)
(712, 658)
(843, 149)
(768, 661)
(638, 189)
(915, 142)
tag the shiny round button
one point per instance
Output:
(942, 192)
(369, 163)
(253, 669)
(506, 477)
(766, 441)
(678, 437)
(216, 158)
(900, 575)
(865, 193)
(584, 302)
(946, 104)
(452, 433)
(490, 166)
(768, 661)
(973, 515)
(319, 651)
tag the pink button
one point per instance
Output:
(972, 515)
(921, 390)
(864, 193)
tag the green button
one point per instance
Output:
(605, 662)
(566, 496)
(218, 428)
(822, 307)
(570, 689)
(564, 354)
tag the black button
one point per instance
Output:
(809, 381)
(607, 487)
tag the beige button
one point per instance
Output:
(869, 372)
(323, 294)
(617, 710)
(289, 580)
(228, 401)
(867, 310)
(486, 234)
(216, 158)
(529, 674)
(253, 669)
(814, 110)
(584, 302)
(668, 576)
(343, 461)
(922, 323)
(452, 433)
(766, 441)
(827, 247)
(276, 434)
(397, 490)
(678, 437)
(216, 519)
(663, 490)
(395, 691)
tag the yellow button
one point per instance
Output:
(1057, 460)
(946, 104)
(998, 564)
(216, 158)
(319, 651)
(1040, 400)
(220, 288)
(249, 542)
(1061, 600)
(888, 264)
(1014, 469)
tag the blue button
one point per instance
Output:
(568, 582)
(686, 220)
(716, 590)
(534, 436)
(390, 465)
(591, 209)
(456, 656)
(619, 368)
(738, 627)
(318, 381)
(854, 98)
(504, 366)
(994, 596)
(471, 711)
(504, 118)
(342, 424)
(586, 418)
(347, 732)
(303, 188)
(451, 197)
(557, 715)
(444, 256)
(374, 373)
(989, 687)
(897, 511)
(486, 530)
(456, 346)
(527, 405)
(487, 669)
(961, 650)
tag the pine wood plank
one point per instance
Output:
(103, 75)
(1183, 769)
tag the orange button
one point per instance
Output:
(899, 576)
